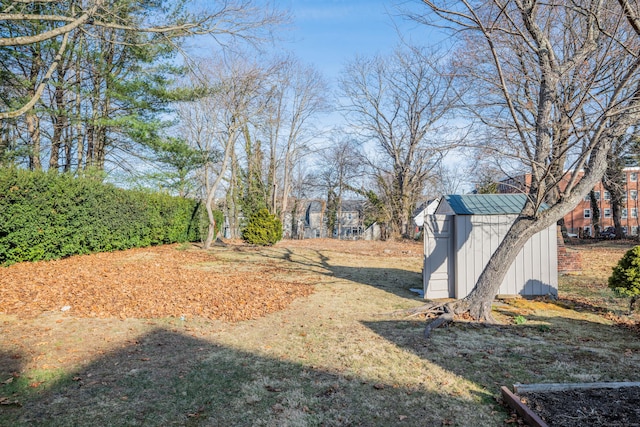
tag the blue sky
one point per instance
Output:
(329, 33)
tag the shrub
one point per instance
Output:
(262, 229)
(625, 279)
(48, 216)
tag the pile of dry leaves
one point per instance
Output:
(145, 283)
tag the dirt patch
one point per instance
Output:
(602, 407)
(144, 283)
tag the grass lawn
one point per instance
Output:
(298, 334)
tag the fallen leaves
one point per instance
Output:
(144, 283)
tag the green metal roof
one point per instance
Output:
(487, 204)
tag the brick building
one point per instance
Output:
(580, 220)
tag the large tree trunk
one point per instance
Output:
(211, 230)
(286, 183)
(614, 182)
(59, 118)
(211, 189)
(595, 213)
(478, 302)
(78, 127)
(33, 127)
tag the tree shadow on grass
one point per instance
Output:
(169, 378)
(542, 350)
(393, 280)
(582, 306)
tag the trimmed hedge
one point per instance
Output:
(48, 216)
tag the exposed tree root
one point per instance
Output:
(439, 321)
(447, 311)
(430, 308)
(478, 311)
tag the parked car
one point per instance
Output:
(608, 233)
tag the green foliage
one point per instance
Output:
(262, 229)
(625, 279)
(48, 216)
(125, 81)
(333, 203)
(179, 160)
(487, 187)
(519, 320)
(488, 179)
(254, 196)
(374, 208)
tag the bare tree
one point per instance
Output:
(215, 123)
(296, 96)
(339, 166)
(399, 103)
(447, 180)
(558, 83)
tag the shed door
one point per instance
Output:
(438, 280)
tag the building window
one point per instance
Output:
(607, 195)
(634, 230)
(587, 231)
(633, 194)
(624, 213)
(587, 213)
(587, 197)
(624, 230)
(349, 216)
(607, 213)
(634, 213)
(633, 177)
(596, 195)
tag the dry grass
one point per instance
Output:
(332, 358)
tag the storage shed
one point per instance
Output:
(466, 230)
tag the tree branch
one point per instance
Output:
(41, 86)
(65, 29)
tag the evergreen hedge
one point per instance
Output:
(48, 216)
(262, 229)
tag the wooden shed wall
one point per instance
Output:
(534, 272)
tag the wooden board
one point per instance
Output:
(530, 417)
(542, 388)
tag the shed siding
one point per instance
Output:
(534, 271)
